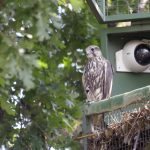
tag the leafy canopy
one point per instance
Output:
(42, 57)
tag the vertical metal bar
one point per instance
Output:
(147, 10)
(104, 8)
(86, 129)
(138, 4)
(117, 8)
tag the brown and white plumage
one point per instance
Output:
(98, 75)
(97, 78)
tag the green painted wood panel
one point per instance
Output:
(112, 40)
(118, 101)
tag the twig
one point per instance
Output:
(85, 136)
(136, 140)
(134, 123)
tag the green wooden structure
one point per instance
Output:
(117, 104)
(128, 87)
(114, 38)
(119, 10)
(118, 101)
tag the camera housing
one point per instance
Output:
(134, 57)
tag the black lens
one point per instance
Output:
(142, 54)
(92, 49)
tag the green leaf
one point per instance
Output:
(42, 64)
(8, 41)
(22, 71)
(8, 107)
(27, 78)
(27, 44)
(56, 20)
(65, 120)
(61, 2)
(67, 61)
(77, 4)
(42, 27)
(2, 81)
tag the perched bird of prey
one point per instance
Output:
(98, 76)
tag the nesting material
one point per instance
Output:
(132, 132)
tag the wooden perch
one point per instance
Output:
(119, 101)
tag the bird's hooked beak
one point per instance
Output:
(89, 50)
(93, 52)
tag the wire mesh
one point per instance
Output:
(117, 7)
(125, 129)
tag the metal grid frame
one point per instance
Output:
(118, 7)
(115, 13)
(133, 103)
(138, 140)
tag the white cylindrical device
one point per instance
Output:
(135, 55)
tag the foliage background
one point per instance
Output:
(42, 56)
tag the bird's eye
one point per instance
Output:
(96, 48)
(92, 49)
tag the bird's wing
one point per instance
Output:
(83, 81)
(108, 75)
(88, 87)
(92, 79)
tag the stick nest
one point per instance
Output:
(132, 133)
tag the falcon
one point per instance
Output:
(97, 77)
